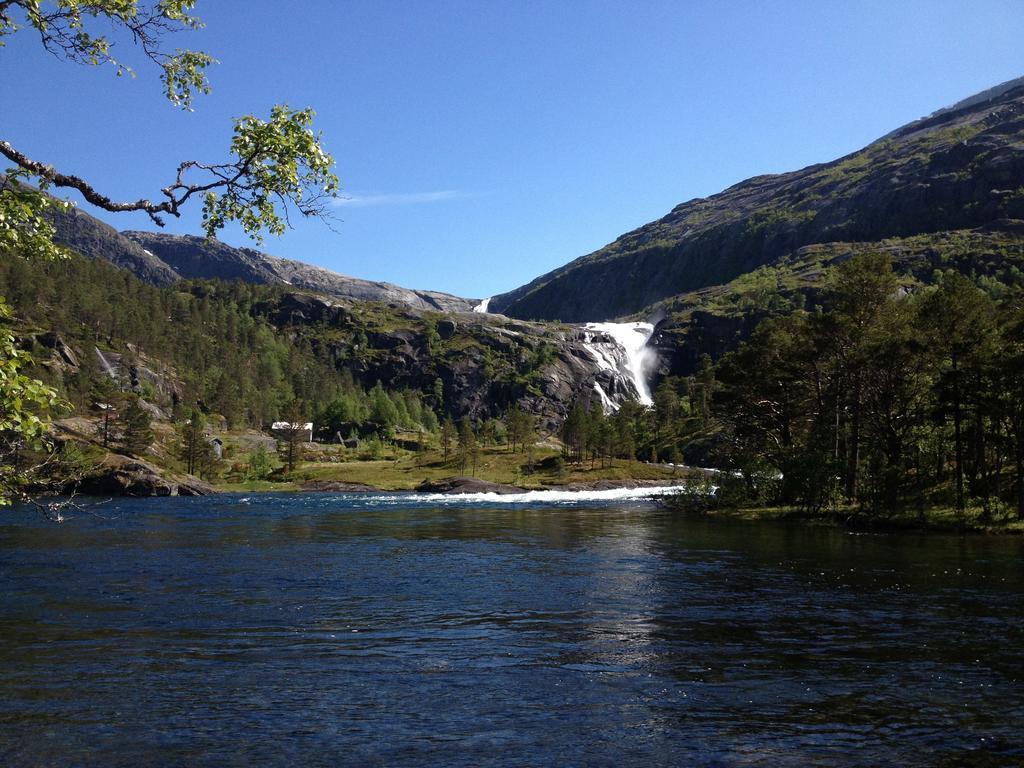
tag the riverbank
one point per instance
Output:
(545, 470)
(500, 471)
(935, 520)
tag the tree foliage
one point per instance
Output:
(275, 165)
(135, 427)
(884, 401)
(25, 407)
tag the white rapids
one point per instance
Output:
(558, 498)
(553, 496)
(628, 356)
(482, 306)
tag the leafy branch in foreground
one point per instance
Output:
(24, 228)
(25, 405)
(61, 27)
(277, 164)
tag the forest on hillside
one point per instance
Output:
(896, 397)
(204, 344)
(887, 395)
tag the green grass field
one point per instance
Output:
(496, 464)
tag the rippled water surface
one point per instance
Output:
(356, 630)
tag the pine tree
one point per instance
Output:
(447, 433)
(193, 448)
(104, 397)
(961, 318)
(135, 427)
(294, 435)
(469, 449)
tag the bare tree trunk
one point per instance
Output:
(959, 442)
(853, 450)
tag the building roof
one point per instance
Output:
(288, 425)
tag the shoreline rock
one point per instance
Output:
(124, 476)
(338, 486)
(459, 485)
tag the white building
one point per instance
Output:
(285, 429)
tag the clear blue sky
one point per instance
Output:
(483, 143)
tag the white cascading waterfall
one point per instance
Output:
(107, 367)
(622, 349)
(482, 306)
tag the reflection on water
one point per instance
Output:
(355, 630)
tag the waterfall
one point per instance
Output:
(107, 367)
(482, 306)
(626, 354)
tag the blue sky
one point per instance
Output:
(482, 143)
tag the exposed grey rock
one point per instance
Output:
(52, 340)
(90, 237)
(460, 485)
(123, 476)
(446, 328)
(197, 257)
(337, 486)
(932, 175)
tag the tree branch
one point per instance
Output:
(277, 164)
(58, 179)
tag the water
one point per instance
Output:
(387, 630)
(627, 355)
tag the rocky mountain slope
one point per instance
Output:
(485, 363)
(196, 257)
(162, 259)
(961, 167)
(90, 237)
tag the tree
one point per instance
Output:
(576, 433)
(292, 435)
(665, 414)
(860, 291)
(135, 427)
(447, 434)
(25, 405)
(275, 165)
(705, 385)
(469, 449)
(192, 447)
(960, 318)
(104, 396)
(260, 464)
(1009, 397)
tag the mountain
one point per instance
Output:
(960, 168)
(196, 257)
(378, 331)
(90, 237)
(162, 259)
(244, 348)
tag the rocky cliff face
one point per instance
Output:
(92, 238)
(196, 257)
(163, 259)
(485, 363)
(959, 168)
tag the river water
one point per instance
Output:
(360, 630)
